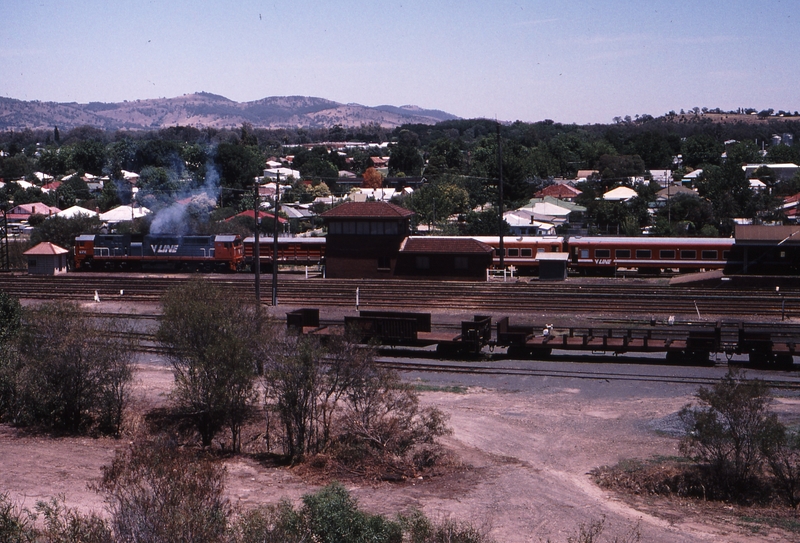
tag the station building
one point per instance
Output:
(372, 240)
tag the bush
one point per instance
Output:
(73, 373)
(210, 336)
(59, 524)
(158, 493)
(729, 429)
(334, 399)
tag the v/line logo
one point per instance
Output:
(160, 249)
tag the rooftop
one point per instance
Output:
(368, 210)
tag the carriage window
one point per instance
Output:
(498, 252)
(584, 252)
(513, 252)
(688, 255)
(708, 255)
(526, 252)
(726, 255)
(602, 253)
(666, 254)
(644, 253)
(622, 253)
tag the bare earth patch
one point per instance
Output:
(526, 458)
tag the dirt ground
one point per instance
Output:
(527, 445)
(527, 449)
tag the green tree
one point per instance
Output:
(405, 156)
(203, 326)
(438, 200)
(75, 373)
(727, 429)
(87, 156)
(700, 150)
(62, 231)
(238, 165)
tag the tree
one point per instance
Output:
(62, 231)
(74, 373)
(373, 179)
(728, 428)
(700, 150)
(87, 156)
(157, 492)
(404, 156)
(202, 327)
(10, 320)
(238, 165)
(438, 200)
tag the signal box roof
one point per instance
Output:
(367, 210)
(447, 245)
(45, 248)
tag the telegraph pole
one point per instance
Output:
(275, 242)
(500, 187)
(256, 245)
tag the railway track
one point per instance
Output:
(628, 297)
(555, 372)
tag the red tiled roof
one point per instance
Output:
(46, 248)
(368, 210)
(450, 245)
(261, 215)
(558, 191)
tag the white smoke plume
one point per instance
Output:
(190, 207)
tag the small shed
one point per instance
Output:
(46, 259)
(552, 266)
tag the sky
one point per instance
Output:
(570, 61)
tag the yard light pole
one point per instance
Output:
(256, 248)
(275, 241)
(500, 248)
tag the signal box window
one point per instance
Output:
(644, 253)
(423, 263)
(461, 263)
(666, 254)
(602, 253)
(622, 253)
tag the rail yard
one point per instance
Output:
(520, 319)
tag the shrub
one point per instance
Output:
(73, 373)
(209, 335)
(157, 493)
(728, 430)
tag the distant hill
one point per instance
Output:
(209, 110)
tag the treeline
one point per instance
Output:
(459, 155)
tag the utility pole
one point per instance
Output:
(501, 248)
(256, 245)
(275, 242)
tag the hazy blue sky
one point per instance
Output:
(570, 61)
